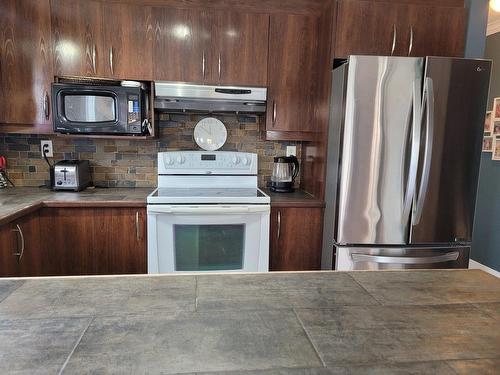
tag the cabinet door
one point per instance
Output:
(120, 241)
(182, 45)
(30, 262)
(128, 41)
(292, 70)
(25, 62)
(369, 28)
(437, 31)
(67, 234)
(241, 44)
(78, 38)
(10, 245)
(296, 236)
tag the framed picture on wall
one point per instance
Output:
(487, 122)
(496, 128)
(488, 144)
(496, 148)
(496, 109)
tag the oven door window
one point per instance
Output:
(89, 108)
(209, 247)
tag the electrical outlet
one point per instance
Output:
(47, 149)
(291, 150)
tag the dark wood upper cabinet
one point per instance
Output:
(437, 31)
(128, 41)
(296, 238)
(368, 27)
(240, 48)
(182, 45)
(77, 30)
(292, 74)
(210, 47)
(25, 62)
(402, 29)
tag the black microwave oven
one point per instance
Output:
(99, 109)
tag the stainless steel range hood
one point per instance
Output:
(182, 97)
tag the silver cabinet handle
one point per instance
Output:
(394, 38)
(93, 59)
(279, 225)
(111, 61)
(428, 104)
(451, 256)
(19, 253)
(203, 61)
(46, 105)
(274, 112)
(410, 47)
(220, 65)
(137, 226)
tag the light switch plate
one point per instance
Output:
(291, 150)
(46, 145)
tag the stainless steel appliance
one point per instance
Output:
(72, 175)
(182, 97)
(99, 109)
(403, 163)
(285, 169)
(207, 214)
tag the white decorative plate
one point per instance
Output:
(210, 134)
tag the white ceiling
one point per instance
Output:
(493, 22)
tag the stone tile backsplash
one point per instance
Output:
(129, 162)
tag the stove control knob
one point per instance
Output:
(168, 160)
(236, 160)
(181, 159)
(246, 161)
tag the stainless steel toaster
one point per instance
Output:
(72, 175)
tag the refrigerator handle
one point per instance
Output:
(448, 257)
(428, 107)
(416, 129)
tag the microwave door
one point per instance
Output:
(90, 109)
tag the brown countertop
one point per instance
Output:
(299, 198)
(16, 202)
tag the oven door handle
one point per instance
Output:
(206, 210)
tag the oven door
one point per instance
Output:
(208, 238)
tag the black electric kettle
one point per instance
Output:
(285, 169)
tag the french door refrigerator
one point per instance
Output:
(404, 149)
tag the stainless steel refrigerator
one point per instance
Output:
(405, 139)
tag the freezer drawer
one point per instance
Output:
(366, 258)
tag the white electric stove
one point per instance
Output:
(207, 214)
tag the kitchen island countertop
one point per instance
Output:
(18, 201)
(315, 323)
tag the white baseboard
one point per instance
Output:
(478, 266)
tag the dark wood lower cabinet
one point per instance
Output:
(295, 238)
(75, 241)
(94, 241)
(21, 252)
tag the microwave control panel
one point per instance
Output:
(134, 114)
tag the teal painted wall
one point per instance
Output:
(486, 239)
